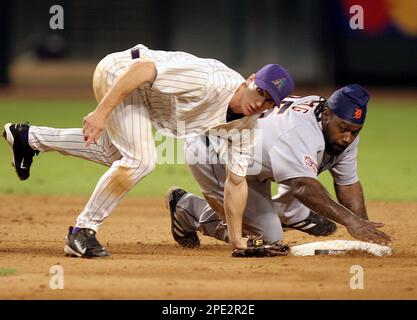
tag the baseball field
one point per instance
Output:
(146, 263)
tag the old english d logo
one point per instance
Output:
(358, 113)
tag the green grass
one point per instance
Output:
(53, 173)
(387, 157)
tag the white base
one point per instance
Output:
(339, 246)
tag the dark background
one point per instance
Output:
(312, 39)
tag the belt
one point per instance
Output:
(135, 53)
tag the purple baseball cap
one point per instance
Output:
(350, 103)
(275, 80)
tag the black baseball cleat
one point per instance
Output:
(314, 225)
(16, 136)
(83, 243)
(182, 237)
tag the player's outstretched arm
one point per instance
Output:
(351, 196)
(139, 73)
(313, 195)
(235, 198)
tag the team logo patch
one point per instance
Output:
(279, 83)
(310, 163)
(358, 113)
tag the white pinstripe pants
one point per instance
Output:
(126, 146)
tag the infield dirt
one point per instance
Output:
(147, 264)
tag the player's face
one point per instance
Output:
(338, 134)
(255, 99)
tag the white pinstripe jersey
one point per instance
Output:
(189, 96)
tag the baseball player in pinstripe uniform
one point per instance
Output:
(302, 138)
(177, 93)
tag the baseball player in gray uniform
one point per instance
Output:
(177, 93)
(299, 140)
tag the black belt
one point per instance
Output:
(135, 53)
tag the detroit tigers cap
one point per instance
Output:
(350, 103)
(275, 80)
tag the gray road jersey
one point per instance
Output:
(293, 146)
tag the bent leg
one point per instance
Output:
(260, 217)
(130, 131)
(195, 214)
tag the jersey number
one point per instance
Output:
(303, 107)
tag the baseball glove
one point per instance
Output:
(257, 248)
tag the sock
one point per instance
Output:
(75, 230)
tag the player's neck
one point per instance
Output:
(236, 99)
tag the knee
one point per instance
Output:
(142, 167)
(134, 171)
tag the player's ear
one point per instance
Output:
(326, 115)
(250, 79)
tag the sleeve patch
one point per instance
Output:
(310, 163)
